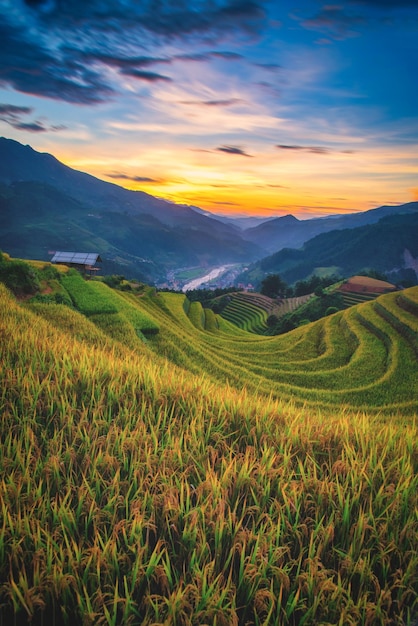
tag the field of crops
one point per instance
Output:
(207, 475)
(357, 358)
(250, 311)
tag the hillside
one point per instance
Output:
(198, 474)
(385, 246)
(45, 205)
(251, 311)
(289, 232)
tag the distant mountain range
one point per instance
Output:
(47, 206)
(388, 246)
(289, 232)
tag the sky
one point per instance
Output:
(261, 107)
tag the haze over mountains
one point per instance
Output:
(46, 206)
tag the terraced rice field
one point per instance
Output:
(250, 311)
(206, 475)
(359, 358)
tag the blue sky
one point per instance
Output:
(261, 107)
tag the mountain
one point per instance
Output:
(45, 205)
(240, 222)
(389, 245)
(289, 232)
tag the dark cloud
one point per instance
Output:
(28, 66)
(271, 67)
(227, 56)
(124, 62)
(285, 147)
(334, 22)
(215, 103)
(55, 48)
(208, 56)
(136, 179)
(12, 115)
(195, 57)
(150, 77)
(222, 203)
(386, 4)
(10, 112)
(311, 149)
(233, 150)
(32, 127)
(168, 18)
(222, 103)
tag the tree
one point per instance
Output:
(273, 286)
(272, 320)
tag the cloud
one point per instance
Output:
(135, 179)
(208, 56)
(12, 115)
(124, 62)
(144, 75)
(233, 150)
(61, 50)
(334, 22)
(27, 65)
(386, 4)
(313, 149)
(271, 67)
(170, 18)
(214, 103)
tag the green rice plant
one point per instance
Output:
(137, 491)
(196, 315)
(85, 296)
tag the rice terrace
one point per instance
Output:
(162, 466)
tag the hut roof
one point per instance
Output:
(80, 258)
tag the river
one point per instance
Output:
(195, 284)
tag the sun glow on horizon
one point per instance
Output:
(311, 183)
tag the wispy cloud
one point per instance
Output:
(333, 21)
(311, 149)
(233, 150)
(144, 75)
(12, 115)
(135, 179)
(60, 50)
(215, 103)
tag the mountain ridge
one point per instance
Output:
(46, 205)
(140, 234)
(380, 246)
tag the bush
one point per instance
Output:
(272, 321)
(331, 310)
(52, 298)
(49, 272)
(19, 277)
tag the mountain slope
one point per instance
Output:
(380, 246)
(289, 232)
(45, 205)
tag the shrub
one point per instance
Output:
(19, 277)
(331, 309)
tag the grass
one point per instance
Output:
(209, 475)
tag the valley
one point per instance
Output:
(46, 206)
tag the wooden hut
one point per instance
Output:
(84, 262)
